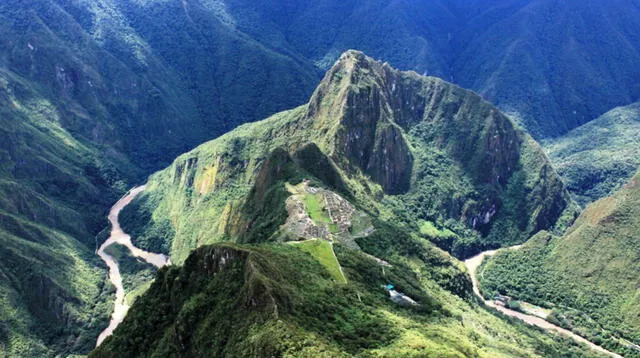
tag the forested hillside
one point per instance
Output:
(599, 157)
(589, 277)
(95, 95)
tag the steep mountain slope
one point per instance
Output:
(599, 157)
(394, 140)
(554, 64)
(113, 71)
(577, 59)
(92, 91)
(278, 300)
(84, 104)
(54, 189)
(590, 276)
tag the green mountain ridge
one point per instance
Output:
(589, 276)
(274, 291)
(395, 139)
(53, 192)
(599, 157)
(277, 300)
(96, 94)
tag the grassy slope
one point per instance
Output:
(599, 157)
(590, 275)
(322, 251)
(275, 300)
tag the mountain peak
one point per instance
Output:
(353, 102)
(368, 107)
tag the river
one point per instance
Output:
(159, 260)
(119, 236)
(475, 262)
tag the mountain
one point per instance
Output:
(589, 277)
(118, 79)
(599, 157)
(97, 94)
(54, 188)
(87, 109)
(576, 60)
(391, 139)
(551, 63)
(280, 300)
(288, 240)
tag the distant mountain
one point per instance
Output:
(552, 64)
(599, 157)
(589, 277)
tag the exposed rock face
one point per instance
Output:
(216, 259)
(367, 136)
(184, 173)
(376, 107)
(436, 152)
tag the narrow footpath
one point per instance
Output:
(472, 265)
(120, 237)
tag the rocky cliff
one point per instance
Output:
(404, 146)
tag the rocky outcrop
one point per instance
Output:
(414, 147)
(212, 260)
(375, 108)
(366, 136)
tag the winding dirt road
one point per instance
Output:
(475, 262)
(120, 237)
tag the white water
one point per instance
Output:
(120, 237)
(473, 264)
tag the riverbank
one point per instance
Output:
(472, 265)
(119, 236)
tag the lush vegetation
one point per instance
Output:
(599, 157)
(136, 273)
(275, 300)
(322, 251)
(55, 187)
(589, 277)
(96, 94)
(216, 183)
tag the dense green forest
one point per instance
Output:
(589, 276)
(599, 157)
(273, 300)
(95, 95)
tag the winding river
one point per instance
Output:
(160, 260)
(475, 262)
(120, 237)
